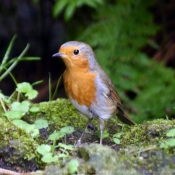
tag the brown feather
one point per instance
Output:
(113, 95)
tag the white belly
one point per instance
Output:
(81, 108)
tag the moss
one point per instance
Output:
(149, 133)
(137, 142)
(58, 113)
(17, 148)
(97, 159)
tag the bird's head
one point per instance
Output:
(77, 55)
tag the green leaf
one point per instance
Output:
(64, 151)
(31, 94)
(24, 87)
(105, 134)
(27, 89)
(23, 106)
(168, 143)
(62, 155)
(67, 147)
(37, 82)
(48, 158)
(34, 132)
(41, 123)
(163, 145)
(4, 98)
(116, 140)
(44, 149)
(73, 166)
(67, 129)
(70, 10)
(20, 123)
(14, 114)
(59, 6)
(117, 135)
(171, 133)
(71, 6)
(92, 4)
(34, 109)
(29, 128)
(18, 110)
(56, 135)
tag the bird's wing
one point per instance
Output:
(113, 95)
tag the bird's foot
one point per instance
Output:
(79, 143)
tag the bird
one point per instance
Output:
(88, 87)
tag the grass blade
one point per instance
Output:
(6, 56)
(50, 88)
(14, 64)
(57, 86)
(37, 82)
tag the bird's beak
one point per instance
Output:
(59, 54)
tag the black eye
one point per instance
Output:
(76, 52)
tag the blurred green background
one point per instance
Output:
(134, 42)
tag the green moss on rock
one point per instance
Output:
(147, 134)
(17, 148)
(58, 113)
(138, 151)
(98, 159)
(94, 159)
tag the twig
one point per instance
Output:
(18, 97)
(8, 172)
(3, 106)
(148, 149)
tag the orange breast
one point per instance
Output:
(80, 86)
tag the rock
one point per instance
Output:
(94, 159)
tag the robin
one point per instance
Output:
(88, 87)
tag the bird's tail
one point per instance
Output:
(123, 117)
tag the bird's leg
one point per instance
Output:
(102, 126)
(79, 140)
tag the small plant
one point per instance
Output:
(19, 109)
(116, 138)
(18, 105)
(14, 108)
(48, 151)
(73, 166)
(170, 142)
(45, 151)
(7, 66)
(105, 134)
